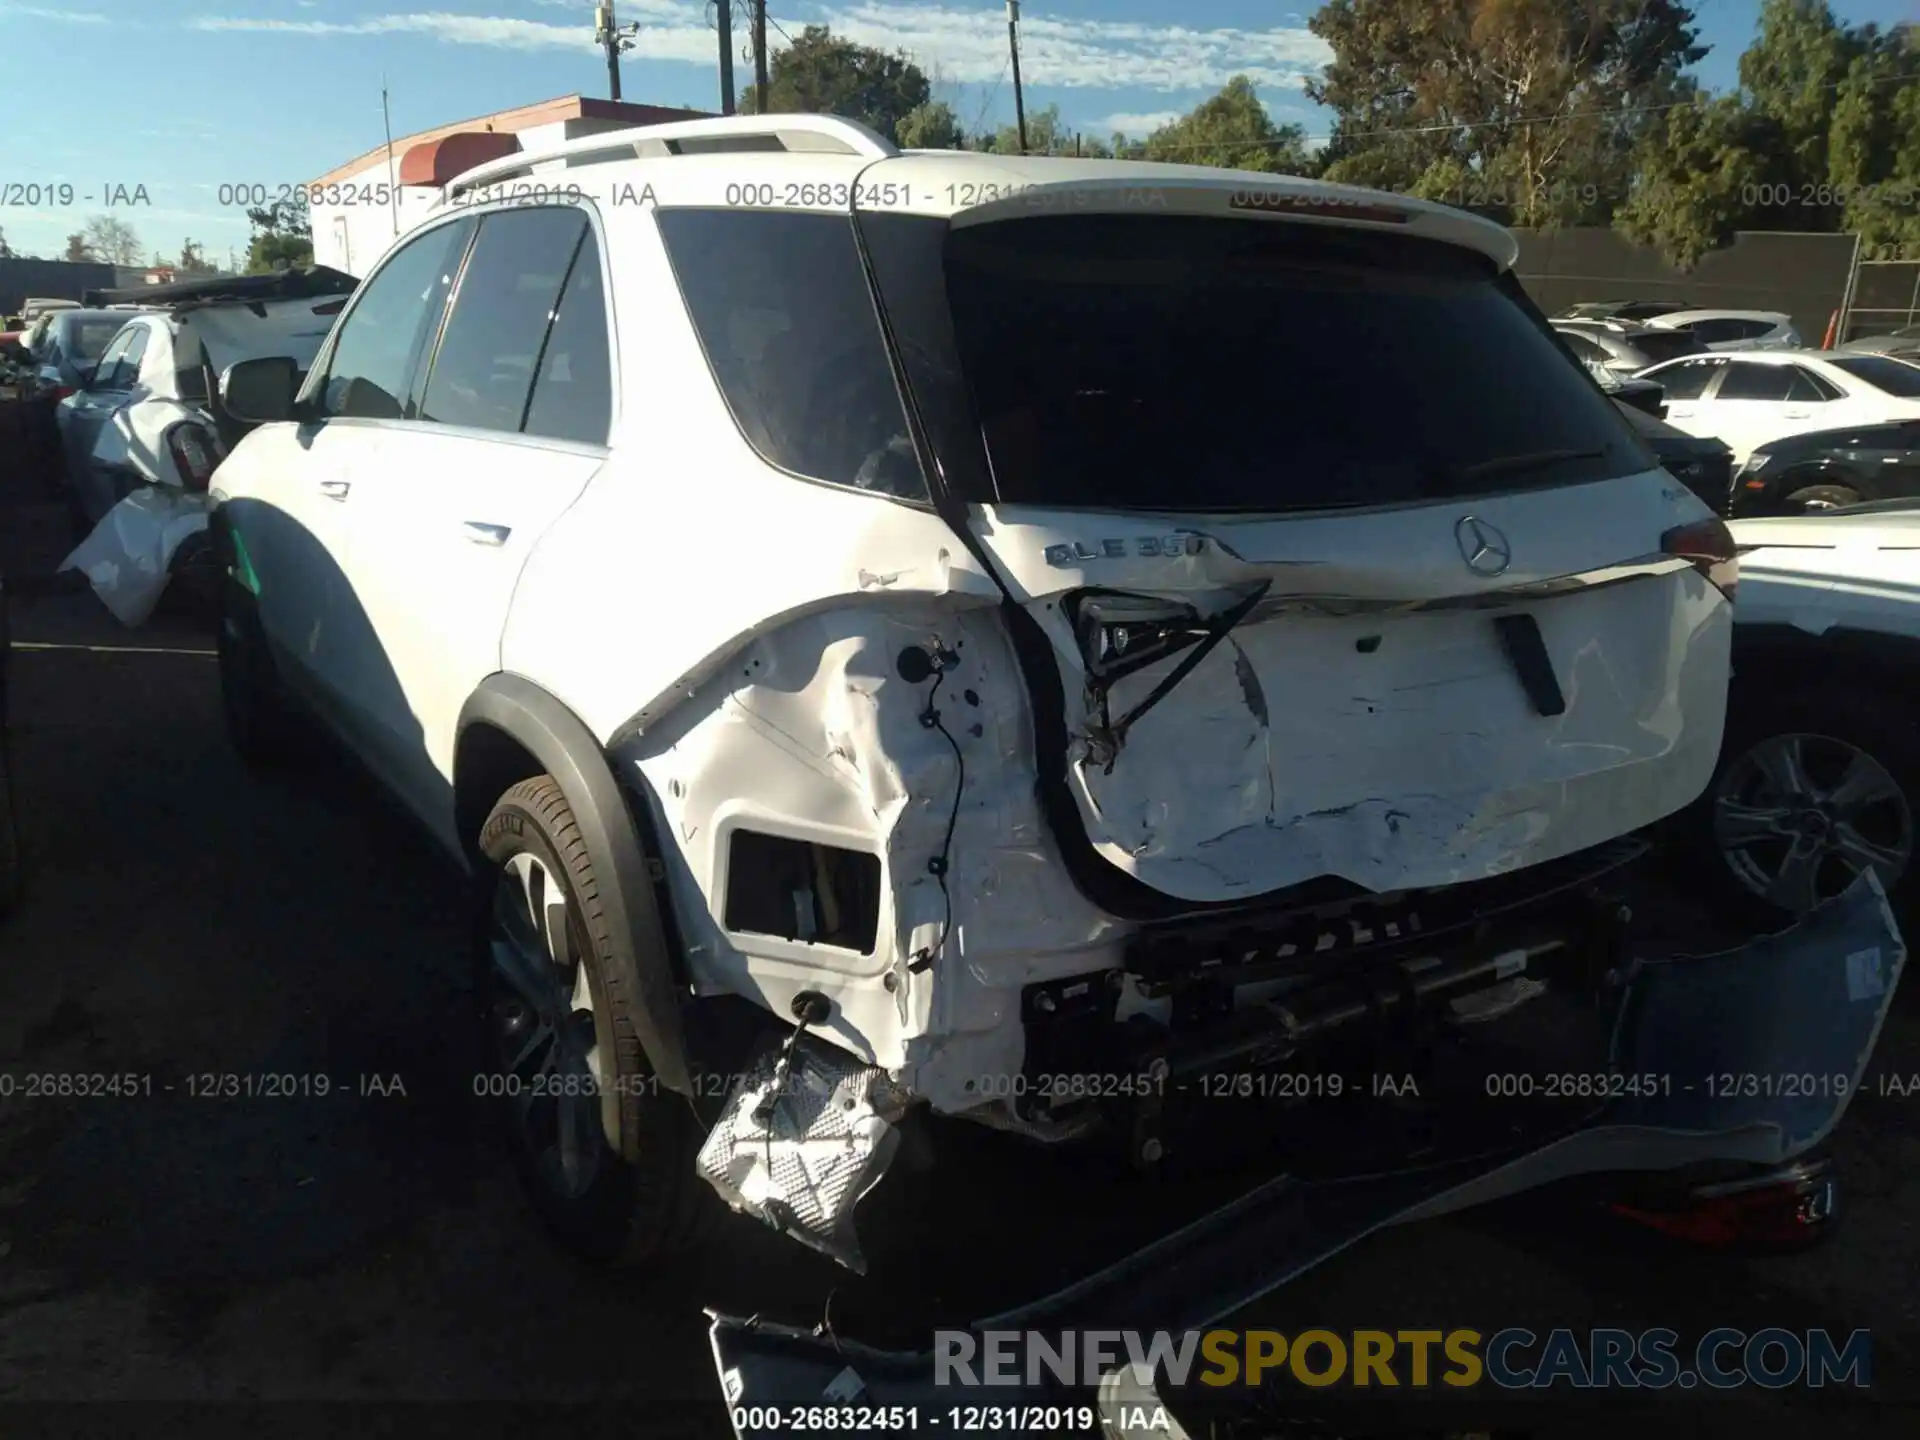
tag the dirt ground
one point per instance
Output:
(183, 918)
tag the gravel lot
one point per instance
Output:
(183, 917)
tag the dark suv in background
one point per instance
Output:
(1824, 469)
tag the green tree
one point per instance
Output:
(6, 250)
(1047, 134)
(78, 252)
(930, 125)
(1526, 110)
(1791, 74)
(282, 236)
(821, 74)
(1873, 141)
(1234, 131)
(1697, 177)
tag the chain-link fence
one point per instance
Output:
(1885, 294)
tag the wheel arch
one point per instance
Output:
(510, 730)
(1841, 653)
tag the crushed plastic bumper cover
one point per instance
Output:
(1808, 1000)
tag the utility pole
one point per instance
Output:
(723, 21)
(1013, 45)
(759, 56)
(613, 38)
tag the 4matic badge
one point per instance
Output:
(1145, 547)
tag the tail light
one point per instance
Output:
(1710, 546)
(60, 392)
(195, 452)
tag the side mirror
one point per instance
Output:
(260, 392)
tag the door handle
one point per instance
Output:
(1796, 414)
(481, 533)
(335, 489)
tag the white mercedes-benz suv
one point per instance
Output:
(905, 638)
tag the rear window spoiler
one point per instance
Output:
(318, 282)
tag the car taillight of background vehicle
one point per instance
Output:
(1709, 544)
(60, 392)
(195, 452)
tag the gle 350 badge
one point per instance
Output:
(1145, 547)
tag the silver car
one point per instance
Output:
(1901, 344)
(1735, 329)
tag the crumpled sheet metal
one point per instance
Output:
(128, 555)
(1808, 1002)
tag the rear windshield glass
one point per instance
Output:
(1175, 362)
(89, 337)
(1664, 345)
(1895, 377)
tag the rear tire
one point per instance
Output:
(1859, 762)
(261, 723)
(1821, 497)
(611, 1174)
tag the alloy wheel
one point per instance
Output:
(542, 1028)
(1798, 817)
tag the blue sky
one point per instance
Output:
(182, 97)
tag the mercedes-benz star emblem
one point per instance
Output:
(1482, 546)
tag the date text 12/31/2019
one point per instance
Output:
(206, 1085)
(791, 1420)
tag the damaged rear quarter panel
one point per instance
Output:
(745, 674)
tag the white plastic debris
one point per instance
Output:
(127, 556)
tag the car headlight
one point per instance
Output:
(1755, 464)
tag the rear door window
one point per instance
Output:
(1689, 379)
(1809, 389)
(1747, 381)
(573, 392)
(483, 369)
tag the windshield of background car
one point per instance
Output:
(1894, 377)
(86, 337)
(1197, 363)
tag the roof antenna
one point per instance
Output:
(393, 188)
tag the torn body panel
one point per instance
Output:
(1809, 1001)
(811, 734)
(1367, 717)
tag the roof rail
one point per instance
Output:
(821, 134)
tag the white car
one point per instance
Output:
(1820, 778)
(968, 605)
(146, 413)
(1733, 329)
(1750, 399)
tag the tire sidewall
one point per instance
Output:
(596, 1222)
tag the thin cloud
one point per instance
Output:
(965, 46)
(1132, 125)
(65, 17)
